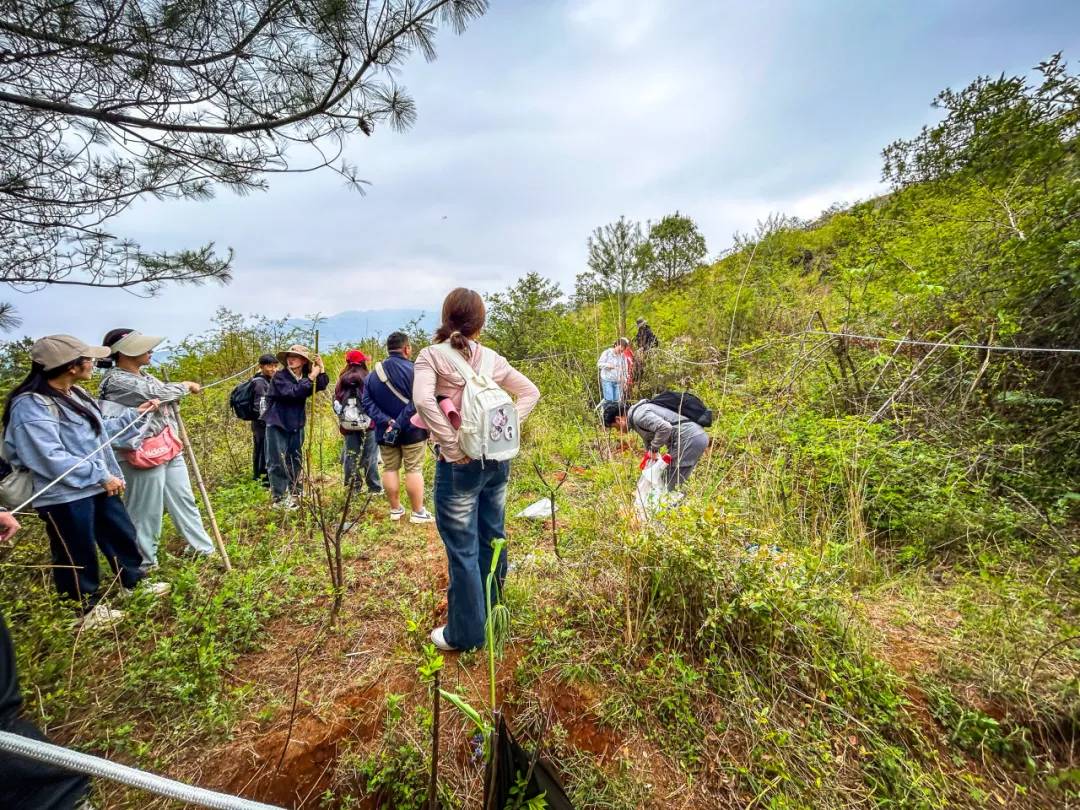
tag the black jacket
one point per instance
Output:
(260, 391)
(645, 339)
(288, 396)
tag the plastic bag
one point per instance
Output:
(541, 510)
(651, 487)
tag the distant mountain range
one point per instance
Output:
(353, 326)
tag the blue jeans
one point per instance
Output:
(470, 512)
(611, 391)
(362, 460)
(284, 460)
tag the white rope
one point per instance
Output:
(104, 768)
(109, 441)
(1032, 349)
(226, 379)
(79, 463)
(909, 341)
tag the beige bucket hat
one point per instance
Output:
(59, 350)
(303, 351)
(135, 343)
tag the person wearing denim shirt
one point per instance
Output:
(403, 444)
(470, 494)
(50, 425)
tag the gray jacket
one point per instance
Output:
(132, 390)
(660, 428)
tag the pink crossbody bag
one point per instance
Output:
(155, 451)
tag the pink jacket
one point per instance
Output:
(435, 376)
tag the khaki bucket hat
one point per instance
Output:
(302, 351)
(59, 350)
(135, 343)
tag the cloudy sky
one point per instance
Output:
(548, 118)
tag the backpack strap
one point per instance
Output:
(381, 373)
(487, 361)
(49, 403)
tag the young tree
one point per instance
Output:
(615, 263)
(105, 101)
(675, 248)
(524, 321)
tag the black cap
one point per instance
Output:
(268, 360)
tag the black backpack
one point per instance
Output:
(242, 401)
(686, 405)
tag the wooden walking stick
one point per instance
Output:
(311, 418)
(199, 482)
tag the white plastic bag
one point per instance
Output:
(651, 488)
(541, 510)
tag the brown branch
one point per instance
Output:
(292, 714)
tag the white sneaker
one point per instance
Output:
(423, 516)
(397, 514)
(152, 588)
(288, 504)
(438, 638)
(99, 618)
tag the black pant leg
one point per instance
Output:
(70, 527)
(26, 784)
(294, 459)
(258, 453)
(115, 536)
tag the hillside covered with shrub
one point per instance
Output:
(869, 598)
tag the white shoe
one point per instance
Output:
(153, 588)
(99, 618)
(397, 514)
(423, 516)
(438, 638)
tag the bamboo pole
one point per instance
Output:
(311, 418)
(199, 483)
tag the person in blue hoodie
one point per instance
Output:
(55, 429)
(387, 399)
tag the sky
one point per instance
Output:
(549, 118)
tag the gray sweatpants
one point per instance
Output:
(149, 493)
(686, 450)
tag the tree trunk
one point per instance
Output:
(622, 313)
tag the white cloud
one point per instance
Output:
(621, 24)
(546, 120)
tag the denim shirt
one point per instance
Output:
(383, 405)
(50, 443)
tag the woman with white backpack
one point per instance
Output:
(456, 375)
(361, 456)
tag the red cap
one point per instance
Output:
(356, 356)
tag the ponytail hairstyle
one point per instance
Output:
(463, 316)
(36, 382)
(111, 338)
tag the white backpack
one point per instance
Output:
(351, 417)
(489, 418)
